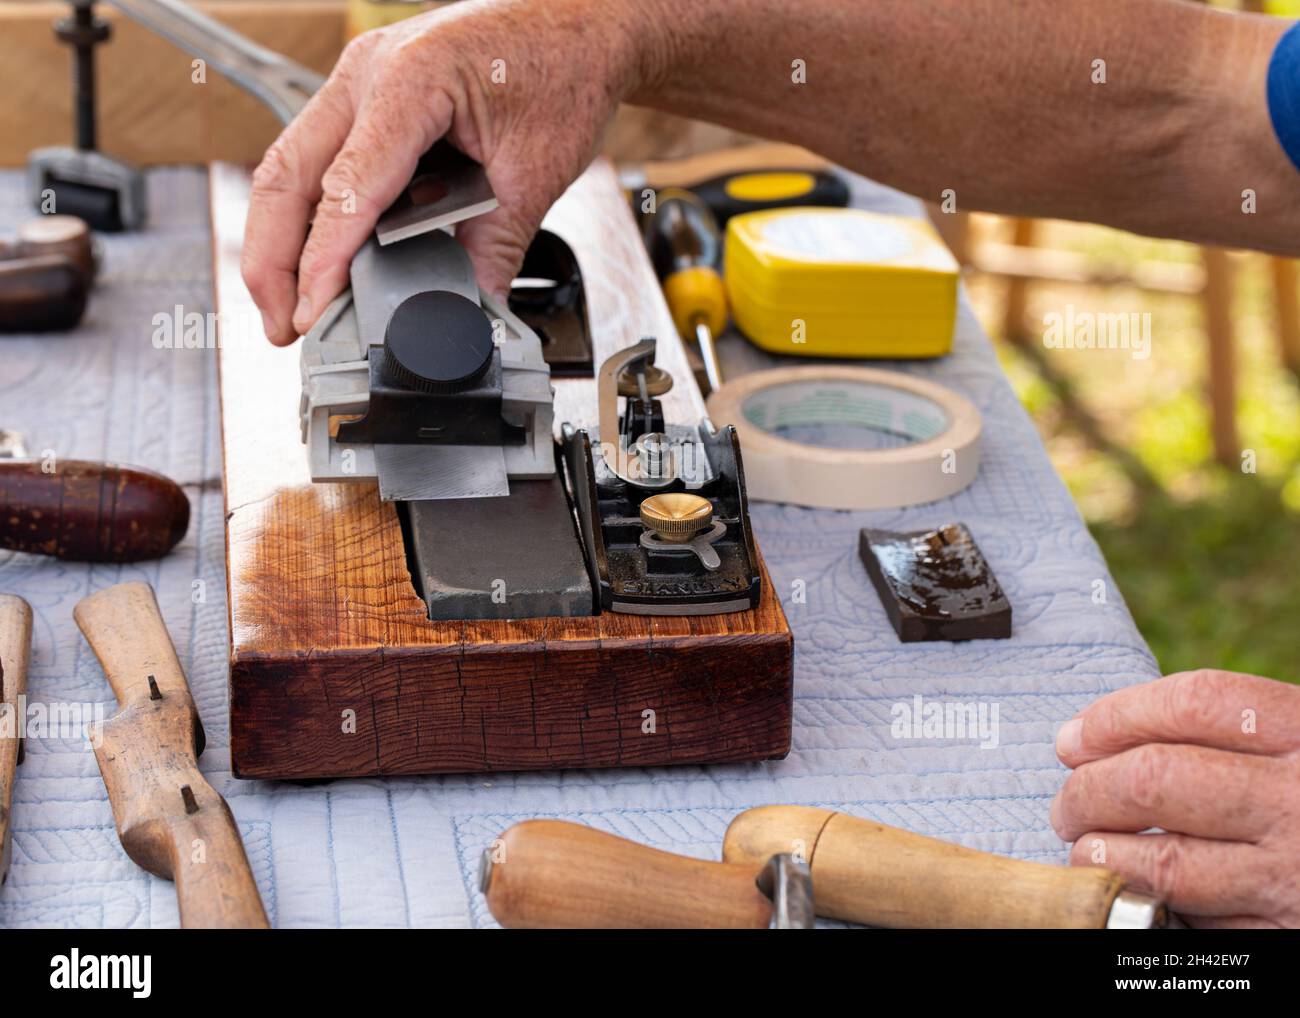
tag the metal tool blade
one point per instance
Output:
(448, 187)
(420, 472)
(788, 882)
(1132, 910)
(280, 83)
(381, 279)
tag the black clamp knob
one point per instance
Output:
(437, 342)
(83, 29)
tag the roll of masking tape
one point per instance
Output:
(937, 430)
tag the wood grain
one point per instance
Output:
(15, 657)
(90, 512)
(869, 873)
(150, 112)
(170, 820)
(335, 668)
(150, 109)
(548, 874)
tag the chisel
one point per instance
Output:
(549, 874)
(869, 873)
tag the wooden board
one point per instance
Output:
(150, 108)
(335, 669)
(151, 112)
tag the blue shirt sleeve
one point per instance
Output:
(1284, 93)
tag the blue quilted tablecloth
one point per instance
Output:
(403, 852)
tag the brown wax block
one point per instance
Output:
(935, 584)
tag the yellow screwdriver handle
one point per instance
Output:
(696, 295)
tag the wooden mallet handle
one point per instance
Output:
(170, 820)
(548, 874)
(869, 873)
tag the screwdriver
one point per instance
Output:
(685, 246)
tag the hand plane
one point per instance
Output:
(661, 507)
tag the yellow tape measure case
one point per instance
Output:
(825, 282)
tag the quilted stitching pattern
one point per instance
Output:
(404, 851)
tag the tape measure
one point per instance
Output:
(831, 282)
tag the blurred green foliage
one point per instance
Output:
(1205, 556)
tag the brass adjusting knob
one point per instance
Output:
(676, 517)
(657, 382)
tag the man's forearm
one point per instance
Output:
(1005, 104)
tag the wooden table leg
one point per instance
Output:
(1222, 379)
(1023, 234)
(954, 228)
(1286, 286)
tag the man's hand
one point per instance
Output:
(496, 77)
(1210, 758)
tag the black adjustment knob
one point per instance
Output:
(437, 341)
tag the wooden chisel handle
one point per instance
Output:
(548, 874)
(90, 512)
(869, 873)
(15, 654)
(170, 820)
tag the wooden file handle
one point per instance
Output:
(15, 654)
(868, 873)
(90, 512)
(548, 874)
(170, 820)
